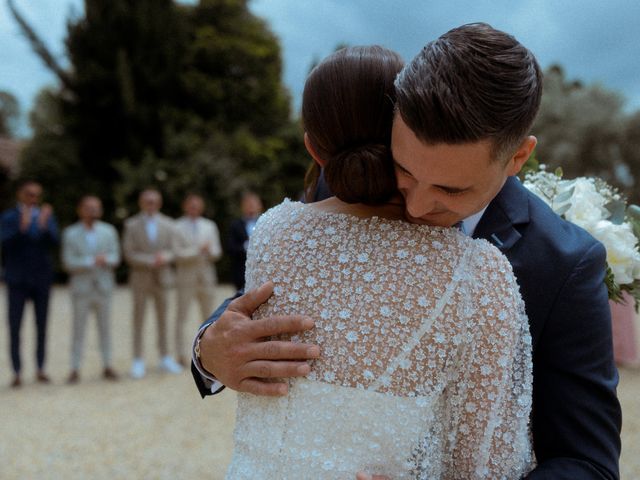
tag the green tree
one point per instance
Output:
(585, 130)
(232, 69)
(184, 97)
(51, 157)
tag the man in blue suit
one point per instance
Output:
(29, 232)
(465, 106)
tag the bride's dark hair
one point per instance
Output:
(347, 111)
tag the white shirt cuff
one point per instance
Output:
(209, 380)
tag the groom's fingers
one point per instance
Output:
(278, 324)
(260, 387)
(234, 350)
(264, 369)
(281, 350)
(251, 300)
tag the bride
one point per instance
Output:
(425, 369)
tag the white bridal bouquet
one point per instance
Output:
(597, 207)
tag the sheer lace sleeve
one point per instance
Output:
(490, 401)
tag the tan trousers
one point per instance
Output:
(204, 294)
(83, 304)
(142, 290)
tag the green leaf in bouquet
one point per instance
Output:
(562, 209)
(559, 172)
(635, 225)
(613, 289)
(634, 212)
(617, 210)
(633, 289)
(565, 195)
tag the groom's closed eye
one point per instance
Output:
(452, 191)
(402, 169)
(448, 190)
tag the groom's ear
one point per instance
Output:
(312, 151)
(524, 151)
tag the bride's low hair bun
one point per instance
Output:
(362, 174)
(347, 112)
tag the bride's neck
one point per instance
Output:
(393, 209)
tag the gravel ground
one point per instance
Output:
(154, 428)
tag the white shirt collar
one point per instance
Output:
(470, 223)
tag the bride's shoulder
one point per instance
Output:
(281, 212)
(488, 262)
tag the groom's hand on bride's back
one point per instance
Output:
(235, 351)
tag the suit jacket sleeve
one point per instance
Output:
(236, 239)
(183, 249)
(113, 247)
(11, 234)
(576, 418)
(72, 260)
(215, 249)
(201, 382)
(50, 233)
(166, 226)
(10, 228)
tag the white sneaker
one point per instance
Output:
(137, 368)
(168, 364)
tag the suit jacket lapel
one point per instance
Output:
(507, 210)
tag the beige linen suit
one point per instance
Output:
(195, 273)
(146, 279)
(91, 285)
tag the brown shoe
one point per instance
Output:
(17, 383)
(42, 377)
(109, 374)
(74, 377)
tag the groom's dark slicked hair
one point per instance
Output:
(471, 84)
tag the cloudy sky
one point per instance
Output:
(594, 41)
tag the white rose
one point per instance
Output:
(622, 250)
(587, 205)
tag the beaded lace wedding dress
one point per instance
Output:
(425, 370)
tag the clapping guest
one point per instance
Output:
(90, 252)
(197, 247)
(29, 232)
(239, 233)
(148, 249)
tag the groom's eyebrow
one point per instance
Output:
(395, 162)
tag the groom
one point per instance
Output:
(465, 106)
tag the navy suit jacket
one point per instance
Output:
(27, 255)
(235, 248)
(576, 417)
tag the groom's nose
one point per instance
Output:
(418, 203)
